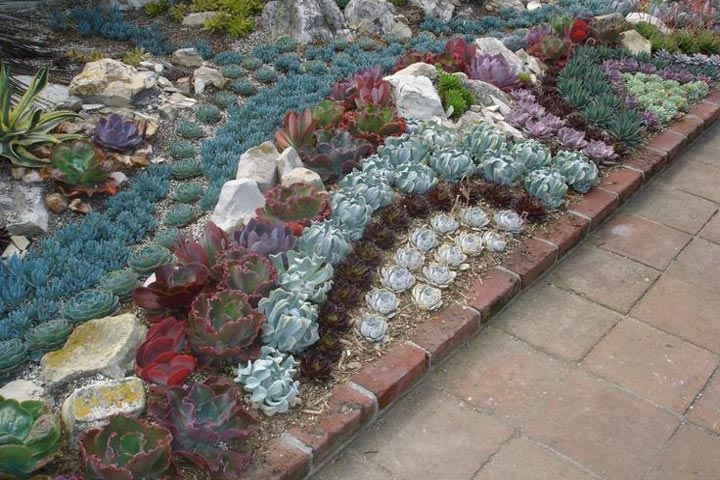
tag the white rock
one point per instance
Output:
(171, 105)
(635, 42)
(302, 175)
(401, 30)
(53, 94)
(485, 93)
(111, 83)
(22, 390)
(419, 69)
(187, 57)
(441, 9)
(416, 97)
(154, 66)
(23, 210)
(638, 17)
(288, 160)
(531, 64)
(164, 83)
(119, 177)
(237, 203)
(260, 165)
(91, 406)
(370, 16)
(493, 46)
(533, 5)
(306, 21)
(125, 4)
(197, 19)
(204, 76)
(106, 345)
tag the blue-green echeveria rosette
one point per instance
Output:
(291, 324)
(270, 381)
(326, 240)
(91, 304)
(351, 214)
(309, 276)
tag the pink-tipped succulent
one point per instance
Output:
(206, 250)
(601, 152)
(159, 358)
(297, 131)
(296, 205)
(265, 238)
(457, 55)
(494, 69)
(173, 290)
(254, 274)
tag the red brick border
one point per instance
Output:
(353, 405)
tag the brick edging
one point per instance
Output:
(355, 404)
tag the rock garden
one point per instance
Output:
(216, 213)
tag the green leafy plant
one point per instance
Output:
(146, 259)
(13, 354)
(251, 63)
(119, 282)
(180, 215)
(224, 99)
(233, 71)
(296, 205)
(180, 150)
(135, 56)
(286, 44)
(266, 74)
(189, 130)
(89, 305)
(243, 86)
(80, 167)
(26, 126)
(188, 192)
(166, 237)
(186, 168)
(177, 12)
(454, 94)
(208, 113)
(126, 448)
(29, 436)
(153, 9)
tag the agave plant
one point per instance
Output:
(126, 448)
(173, 290)
(90, 304)
(26, 126)
(291, 324)
(326, 240)
(336, 154)
(374, 328)
(213, 242)
(444, 223)
(159, 358)
(199, 419)
(147, 259)
(116, 133)
(47, 336)
(547, 185)
(296, 205)
(79, 167)
(13, 354)
(308, 276)
(426, 297)
(298, 131)
(579, 173)
(119, 282)
(265, 238)
(397, 279)
(29, 436)
(223, 325)
(494, 69)
(382, 301)
(410, 258)
(269, 380)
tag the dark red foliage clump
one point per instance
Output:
(316, 365)
(333, 318)
(356, 272)
(368, 252)
(379, 234)
(530, 207)
(416, 205)
(442, 196)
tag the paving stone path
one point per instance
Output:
(607, 368)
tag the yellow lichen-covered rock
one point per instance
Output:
(106, 345)
(89, 407)
(111, 82)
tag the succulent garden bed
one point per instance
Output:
(321, 223)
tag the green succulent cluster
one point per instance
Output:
(119, 282)
(233, 16)
(146, 259)
(89, 305)
(166, 237)
(664, 98)
(251, 63)
(47, 337)
(233, 71)
(208, 113)
(13, 354)
(180, 215)
(266, 74)
(189, 130)
(243, 86)
(179, 150)
(186, 168)
(188, 192)
(225, 99)
(686, 40)
(454, 94)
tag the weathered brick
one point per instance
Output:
(441, 334)
(394, 373)
(535, 257)
(622, 181)
(669, 142)
(688, 125)
(647, 161)
(565, 232)
(490, 293)
(279, 461)
(596, 205)
(707, 111)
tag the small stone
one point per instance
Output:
(23, 211)
(609, 26)
(156, 67)
(164, 83)
(18, 172)
(638, 17)
(91, 406)
(32, 176)
(416, 97)
(119, 177)
(288, 160)
(187, 57)
(493, 46)
(11, 250)
(302, 175)
(419, 69)
(204, 76)
(237, 203)
(105, 345)
(22, 390)
(183, 85)
(533, 5)
(260, 165)
(401, 30)
(56, 203)
(147, 125)
(635, 42)
(20, 242)
(79, 206)
(198, 19)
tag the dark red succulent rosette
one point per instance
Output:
(173, 290)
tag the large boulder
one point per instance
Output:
(106, 345)
(485, 93)
(415, 97)
(441, 9)
(187, 57)
(22, 209)
(419, 69)
(204, 76)
(635, 42)
(302, 175)
(237, 203)
(111, 83)
(126, 4)
(608, 27)
(370, 16)
(493, 46)
(260, 164)
(306, 21)
(638, 17)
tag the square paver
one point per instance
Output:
(522, 459)
(712, 230)
(643, 240)
(603, 428)
(706, 149)
(671, 207)
(605, 277)
(502, 376)
(557, 321)
(694, 177)
(706, 409)
(431, 434)
(698, 264)
(660, 367)
(692, 455)
(683, 309)
(347, 467)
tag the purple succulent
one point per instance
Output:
(631, 102)
(553, 121)
(534, 109)
(517, 118)
(649, 119)
(523, 95)
(494, 69)
(537, 129)
(600, 152)
(571, 138)
(116, 133)
(535, 34)
(265, 238)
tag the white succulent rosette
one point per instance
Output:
(410, 258)
(494, 241)
(474, 217)
(373, 328)
(444, 223)
(471, 243)
(397, 279)
(382, 301)
(424, 239)
(438, 275)
(426, 297)
(451, 255)
(509, 221)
